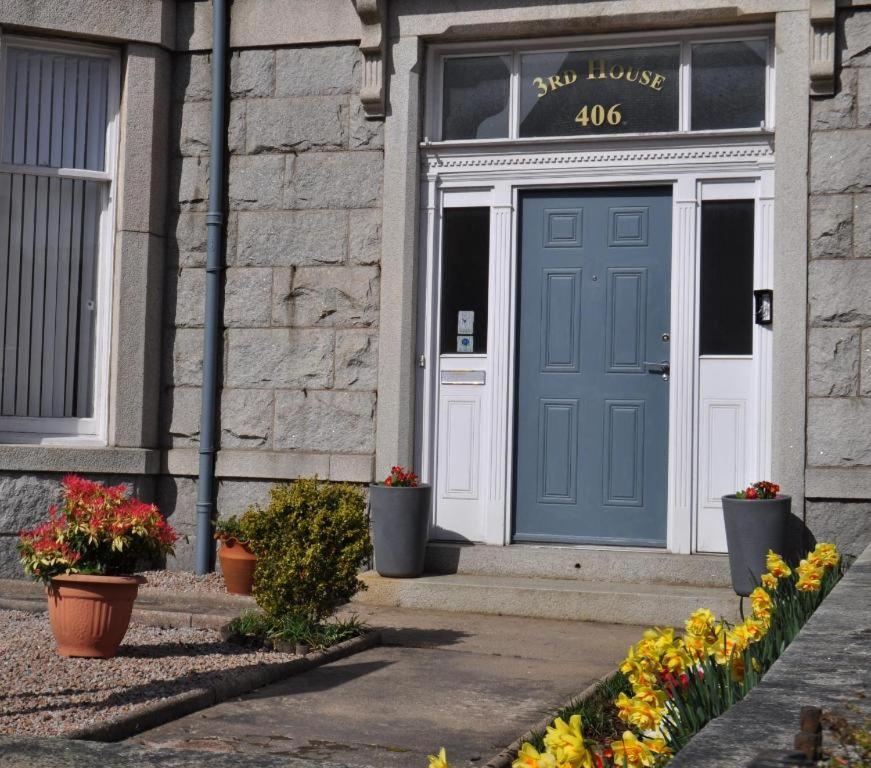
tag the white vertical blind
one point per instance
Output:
(55, 120)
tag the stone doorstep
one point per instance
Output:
(598, 601)
(551, 561)
(154, 607)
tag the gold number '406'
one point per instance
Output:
(597, 115)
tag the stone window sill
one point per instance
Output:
(82, 459)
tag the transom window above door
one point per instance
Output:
(662, 85)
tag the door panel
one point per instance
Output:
(558, 450)
(592, 421)
(623, 453)
(627, 320)
(560, 320)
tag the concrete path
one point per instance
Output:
(468, 682)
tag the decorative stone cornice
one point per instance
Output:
(822, 47)
(373, 93)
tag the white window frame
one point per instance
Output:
(93, 430)
(437, 54)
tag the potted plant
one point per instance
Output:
(400, 515)
(86, 555)
(237, 560)
(756, 522)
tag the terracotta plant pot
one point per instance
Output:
(237, 563)
(89, 615)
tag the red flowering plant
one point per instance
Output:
(96, 529)
(761, 490)
(402, 477)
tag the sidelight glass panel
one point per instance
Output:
(465, 277)
(476, 95)
(726, 284)
(728, 85)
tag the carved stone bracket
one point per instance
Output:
(822, 47)
(373, 93)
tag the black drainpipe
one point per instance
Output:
(212, 332)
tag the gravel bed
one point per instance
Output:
(44, 694)
(182, 581)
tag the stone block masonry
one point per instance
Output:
(302, 284)
(839, 293)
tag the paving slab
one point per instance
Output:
(471, 683)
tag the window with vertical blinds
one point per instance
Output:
(55, 190)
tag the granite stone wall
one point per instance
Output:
(301, 291)
(839, 285)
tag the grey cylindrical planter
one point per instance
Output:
(753, 526)
(400, 526)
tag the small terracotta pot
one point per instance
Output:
(237, 564)
(89, 615)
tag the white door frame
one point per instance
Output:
(494, 176)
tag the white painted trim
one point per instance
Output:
(688, 167)
(89, 431)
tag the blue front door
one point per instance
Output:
(592, 390)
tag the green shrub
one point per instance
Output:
(231, 528)
(310, 542)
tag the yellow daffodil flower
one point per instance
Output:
(809, 577)
(761, 602)
(727, 646)
(696, 646)
(756, 628)
(751, 631)
(676, 660)
(776, 565)
(824, 556)
(530, 757)
(658, 746)
(651, 696)
(631, 752)
(638, 668)
(638, 712)
(702, 624)
(565, 741)
(769, 581)
(658, 639)
(440, 760)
